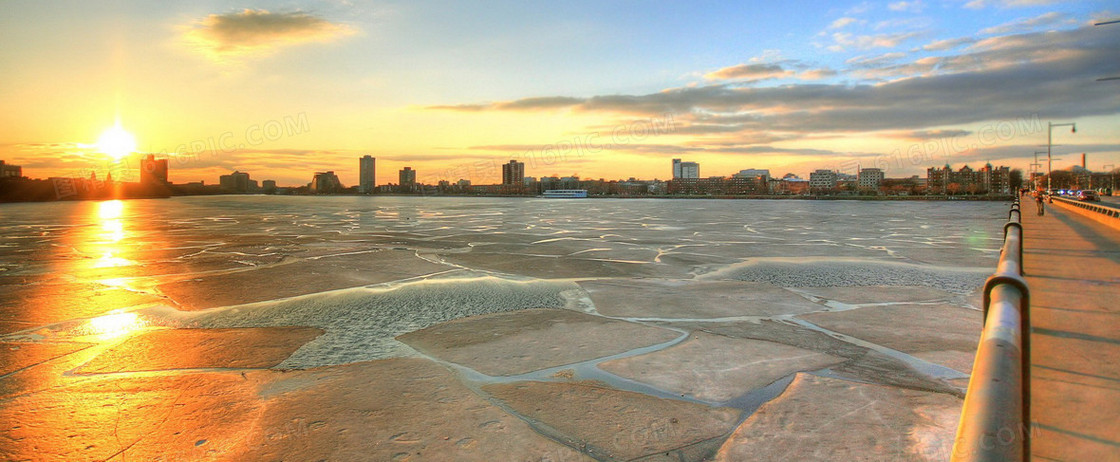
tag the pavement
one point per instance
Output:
(1072, 267)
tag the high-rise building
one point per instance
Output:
(513, 173)
(685, 169)
(325, 183)
(235, 182)
(408, 177)
(367, 174)
(153, 171)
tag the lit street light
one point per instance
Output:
(1049, 144)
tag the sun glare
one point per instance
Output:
(116, 142)
(115, 324)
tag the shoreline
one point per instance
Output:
(987, 198)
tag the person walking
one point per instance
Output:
(1041, 205)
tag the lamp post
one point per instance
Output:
(1049, 144)
(1035, 167)
(1111, 177)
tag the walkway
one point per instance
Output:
(1073, 269)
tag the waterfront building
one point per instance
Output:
(763, 173)
(790, 186)
(870, 179)
(367, 174)
(268, 186)
(989, 179)
(10, 171)
(238, 182)
(325, 183)
(407, 177)
(685, 169)
(513, 173)
(822, 181)
(995, 179)
(152, 170)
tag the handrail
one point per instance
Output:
(1107, 211)
(995, 419)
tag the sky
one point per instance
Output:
(597, 89)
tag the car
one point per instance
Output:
(1088, 195)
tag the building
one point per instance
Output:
(268, 186)
(238, 182)
(153, 171)
(325, 183)
(10, 171)
(987, 180)
(367, 175)
(790, 186)
(513, 173)
(718, 186)
(407, 177)
(870, 179)
(995, 180)
(685, 169)
(822, 181)
(763, 173)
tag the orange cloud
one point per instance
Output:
(749, 72)
(260, 32)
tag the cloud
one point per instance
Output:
(532, 104)
(934, 134)
(749, 72)
(816, 74)
(1001, 78)
(1028, 24)
(910, 7)
(948, 44)
(843, 22)
(978, 4)
(259, 32)
(844, 41)
(874, 61)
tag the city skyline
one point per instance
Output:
(899, 85)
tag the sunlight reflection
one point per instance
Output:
(114, 230)
(110, 215)
(109, 261)
(115, 324)
(110, 209)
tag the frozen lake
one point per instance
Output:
(488, 328)
(410, 262)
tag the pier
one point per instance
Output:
(1072, 264)
(1069, 389)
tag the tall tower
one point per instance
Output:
(513, 173)
(367, 174)
(408, 176)
(676, 168)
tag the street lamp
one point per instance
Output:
(1111, 177)
(1049, 144)
(1035, 167)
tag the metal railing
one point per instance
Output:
(995, 420)
(1106, 211)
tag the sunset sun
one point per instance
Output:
(116, 142)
